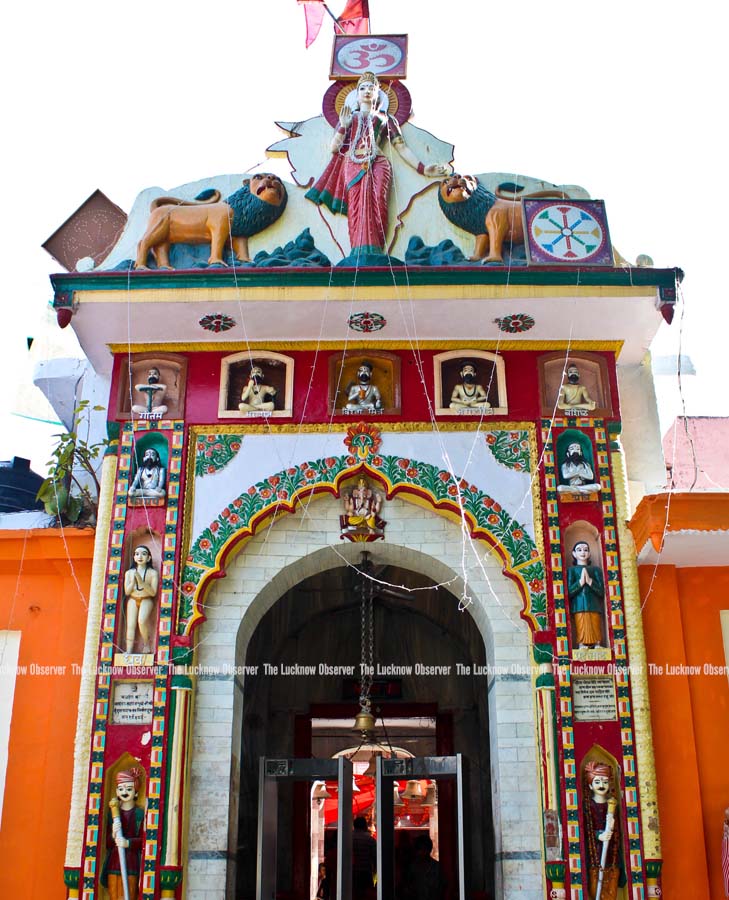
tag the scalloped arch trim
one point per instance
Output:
(419, 482)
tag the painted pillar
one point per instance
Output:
(639, 668)
(614, 738)
(177, 755)
(557, 875)
(87, 690)
(544, 656)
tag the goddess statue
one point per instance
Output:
(356, 181)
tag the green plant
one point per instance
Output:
(63, 494)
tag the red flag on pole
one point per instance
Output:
(356, 17)
(314, 15)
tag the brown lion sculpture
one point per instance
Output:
(492, 217)
(208, 219)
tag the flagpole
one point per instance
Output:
(336, 20)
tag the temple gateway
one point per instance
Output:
(364, 617)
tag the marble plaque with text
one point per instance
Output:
(132, 703)
(593, 698)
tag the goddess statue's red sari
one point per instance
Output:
(356, 181)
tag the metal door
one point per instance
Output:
(271, 773)
(431, 767)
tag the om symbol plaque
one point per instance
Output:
(385, 55)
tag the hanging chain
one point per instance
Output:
(365, 588)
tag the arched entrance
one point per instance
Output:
(282, 564)
(303, 700)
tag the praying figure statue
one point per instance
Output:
(364, 395)
(141, 583)
(586, 593)
(149, 482)
(468, 395)
(256, 396)
(577, 474)
(154, 393)
(356, 181)
(572, 394)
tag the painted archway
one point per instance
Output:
(498, 524)
(270, 564)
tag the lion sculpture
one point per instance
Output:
(492, 217)
(208, 219)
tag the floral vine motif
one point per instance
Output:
(216, 322)
(510, 448)
(366, 322)
(516, 323)
(437, 484)
(214, 451)
(363, 440)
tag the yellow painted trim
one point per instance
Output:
(87, 688)
(384, 427)
(638, 664)
(536, 492)
(370, 293)
(227, 346)
(176, 768)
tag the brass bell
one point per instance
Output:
(365, 722)
(413, 791)
(430, 797)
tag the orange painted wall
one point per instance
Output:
(40, 598)
(690, 714)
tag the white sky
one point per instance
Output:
(621, 98)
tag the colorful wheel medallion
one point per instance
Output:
(366, 322)
(217, 322)
(516, 323)
(567, 232)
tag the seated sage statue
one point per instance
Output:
(576, 472)
(572, 394)
(257, 396)
(364, 395)
(149, 482)
(468, 394)
(154, 393)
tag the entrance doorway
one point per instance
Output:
(302, 702)
(420, 807)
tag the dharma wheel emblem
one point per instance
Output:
(570, 232)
